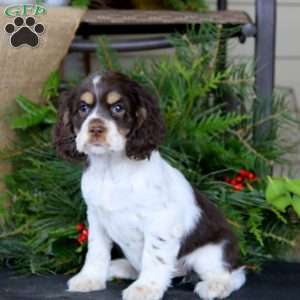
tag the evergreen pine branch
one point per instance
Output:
(80, 3)
(106, 56)
(217, 123)
(51, 86)
(195, 5)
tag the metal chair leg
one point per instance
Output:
(222, 4)
(265, 69)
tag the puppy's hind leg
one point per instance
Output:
(217, 279)
(121, 269)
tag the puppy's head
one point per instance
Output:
(108, 112)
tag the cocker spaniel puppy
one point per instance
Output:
(138, 200)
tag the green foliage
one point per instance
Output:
(196, 5)
(80, 3)
(283, 193)
(33, 114)
(50, 89)
(106, 57)
(206, 139)
(37, 114)
(254, 224)
(38, 232)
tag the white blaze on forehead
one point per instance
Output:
(96, 79)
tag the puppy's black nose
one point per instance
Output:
(96, 127)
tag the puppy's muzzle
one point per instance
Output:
(97, 130)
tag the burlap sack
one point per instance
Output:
(23, 70)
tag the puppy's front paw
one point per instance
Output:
(143, 291)
(85, 283)
(215, 289)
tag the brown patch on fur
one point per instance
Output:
(113, 97)
(88, 98)
(63, 132)
(149, 133)
(148, 129)
(211, 228)
(66, 117)
(141, 116)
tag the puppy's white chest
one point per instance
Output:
(126, 228)
(113, 188)
(105, 190)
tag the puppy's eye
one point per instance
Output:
(84, 108)
(117, 109)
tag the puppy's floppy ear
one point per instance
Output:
(63, 133)
(149, 129)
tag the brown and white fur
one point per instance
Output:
(138, 200)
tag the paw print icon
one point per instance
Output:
(24, 32)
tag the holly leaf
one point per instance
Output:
(282, 202)
(293, 186)
(275, 189)
(296, 204)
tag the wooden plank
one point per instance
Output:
(163, 17)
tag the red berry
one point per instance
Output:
(232, 182)
(82, 239)
(243, 173)
(80, 227)
(251, 176)
(85, 232)
(238, 187)
(239, 178)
